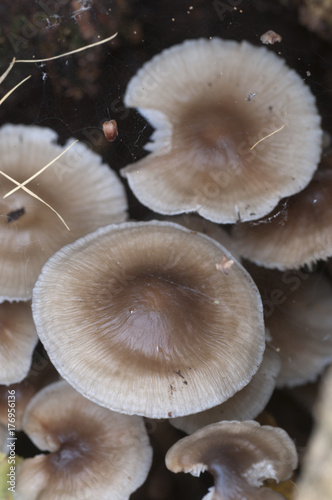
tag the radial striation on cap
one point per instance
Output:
(83, 190)
(18, 338)
(94, 452)
(215, 150)
(245, 404)
(138, 318)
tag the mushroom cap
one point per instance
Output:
(298, 316)
(84, 191)
(41, 374)
(141, 306)
(18, 338)
(297, 232)
(94, 452)
(245, 404)
(204, 155)
(240, 456)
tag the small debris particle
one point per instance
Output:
(14, 215)
(308, 73)
(225, 265)
(250, 96)
(185, 382)
(216, 302)
(110, 130)
(180, 374)
(170, 414)
(270, 37)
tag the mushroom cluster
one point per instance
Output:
(161, 319)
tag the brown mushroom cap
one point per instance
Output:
(84, 191)
(142, 306)
(245, 404)
(297, 232)
(298, 316)
(239, 455)
(94, 453)
(18, 338)
(205, 154)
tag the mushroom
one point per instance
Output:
(143, 307)
(215, 150)
(297, 232)
(94, 453)
(298, 316)
(239, 455)
(86, 192)
(245, 404)
(18, 338)
(41, 374)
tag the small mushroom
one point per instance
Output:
(94, 453)
(214, 151)
(83, 190)
(142, 307)
(239, 455)
(245, 404)
(18, 338)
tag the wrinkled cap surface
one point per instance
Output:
(211, 102)
(83, 190)
(94, 452)
(142, 307)
(239, 455)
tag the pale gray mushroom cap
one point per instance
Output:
(245, 404)
(239, 455)
(83, 190)
(196, 96)
(18, 338)
(141, 307)
(298, 316)
(94, 452)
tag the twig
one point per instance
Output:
(19, 186)
(267, 136)
(67, 53)
(35, 196)
(12, 90)
(5, 74)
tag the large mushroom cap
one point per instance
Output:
(94, 453)
(297, 232)
(205, 154)
(239, 455)
(85, 192)
(143, 309)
